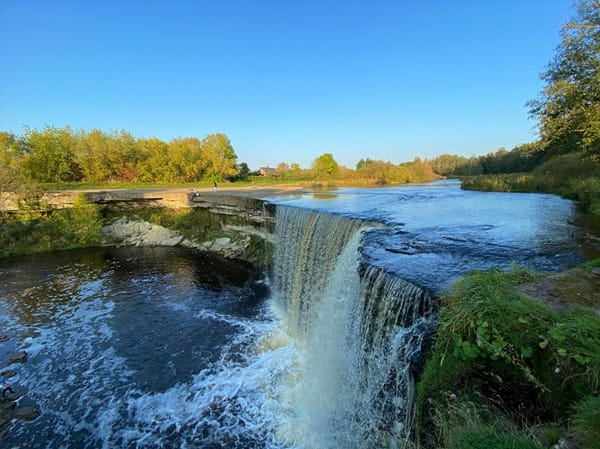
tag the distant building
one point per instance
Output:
(267, 171)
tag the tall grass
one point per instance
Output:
(510, 352)
(585, 423)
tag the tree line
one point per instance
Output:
(64, 155)
(522, 158)
(60, 155)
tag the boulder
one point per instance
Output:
(19, 357)
(26, 413)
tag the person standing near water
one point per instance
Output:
(215, 186)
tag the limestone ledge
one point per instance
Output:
(233, 245)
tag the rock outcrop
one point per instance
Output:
(124, 231)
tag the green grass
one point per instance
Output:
(37, 231)
(585, 422)
(467, 421)
(509, 352)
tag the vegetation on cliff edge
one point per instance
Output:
(507, 371)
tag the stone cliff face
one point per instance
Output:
(233, 224)
(234, 227)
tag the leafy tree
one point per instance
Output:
(294, 170)
(325, 166)
(11, 180)
(219, 158)
(50, 155)
(185, 159)
(108, 157)
(243, 171)
(363, 163)
(154, 160)
(568, 108)
(282, 168)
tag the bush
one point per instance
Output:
(486, 183)
(586, 191)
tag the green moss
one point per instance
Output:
(594, 263)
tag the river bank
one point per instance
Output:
(516, 363)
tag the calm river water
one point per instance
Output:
(168, 348)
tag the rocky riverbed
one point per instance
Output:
(11, 406)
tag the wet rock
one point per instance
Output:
(577, 286)
(20, 357)
(19, 394)
(26, 413)
(223, 241)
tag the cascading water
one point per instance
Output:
(146, 348)
(358, 333)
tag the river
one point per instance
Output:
(145, 348)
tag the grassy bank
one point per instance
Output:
(507, 371)
(37, 230)
(573, 176)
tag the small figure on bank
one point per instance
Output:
(215, 186)
(5, 388)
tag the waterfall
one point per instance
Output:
(358, 332)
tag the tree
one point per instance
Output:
(50, 155)
(109, 157)
(568, 108)
(11, 180)
(154, 160)
(243, 171)
(185, 159)
(325, 166)
(294, 170)
(282, 168)
(219, 158)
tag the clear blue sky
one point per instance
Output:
(285, 80)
